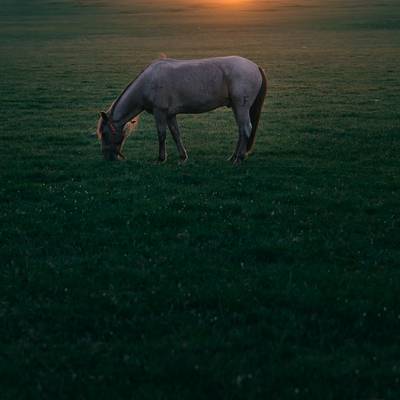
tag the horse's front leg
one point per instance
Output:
(161, 123)
(174, 129)
(233, 157)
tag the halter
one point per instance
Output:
(113, 129)
(113, 133)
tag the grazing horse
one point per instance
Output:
(169, 87)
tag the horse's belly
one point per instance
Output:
(201, 107)
(200, 100)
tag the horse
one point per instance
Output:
(168, 87)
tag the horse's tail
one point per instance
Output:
(255, 110)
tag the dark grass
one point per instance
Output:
(279, 279)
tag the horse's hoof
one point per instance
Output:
(183, 161)
(232, 158)
(160, 161)
(238, 161)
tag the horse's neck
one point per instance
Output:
(128, 105)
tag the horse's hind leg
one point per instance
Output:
(174, 129)
(161, 123)
(244, 124)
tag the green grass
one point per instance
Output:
(276, 280)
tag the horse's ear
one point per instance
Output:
(104, 116)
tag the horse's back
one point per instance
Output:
(234, 66)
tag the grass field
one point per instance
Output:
(276, 280)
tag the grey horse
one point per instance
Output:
(168, 87)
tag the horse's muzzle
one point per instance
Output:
(110, 155)
(113, 155)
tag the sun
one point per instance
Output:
(231, 2)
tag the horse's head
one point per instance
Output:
(113, 136)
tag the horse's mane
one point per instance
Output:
(98, 128)
(130, 126)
